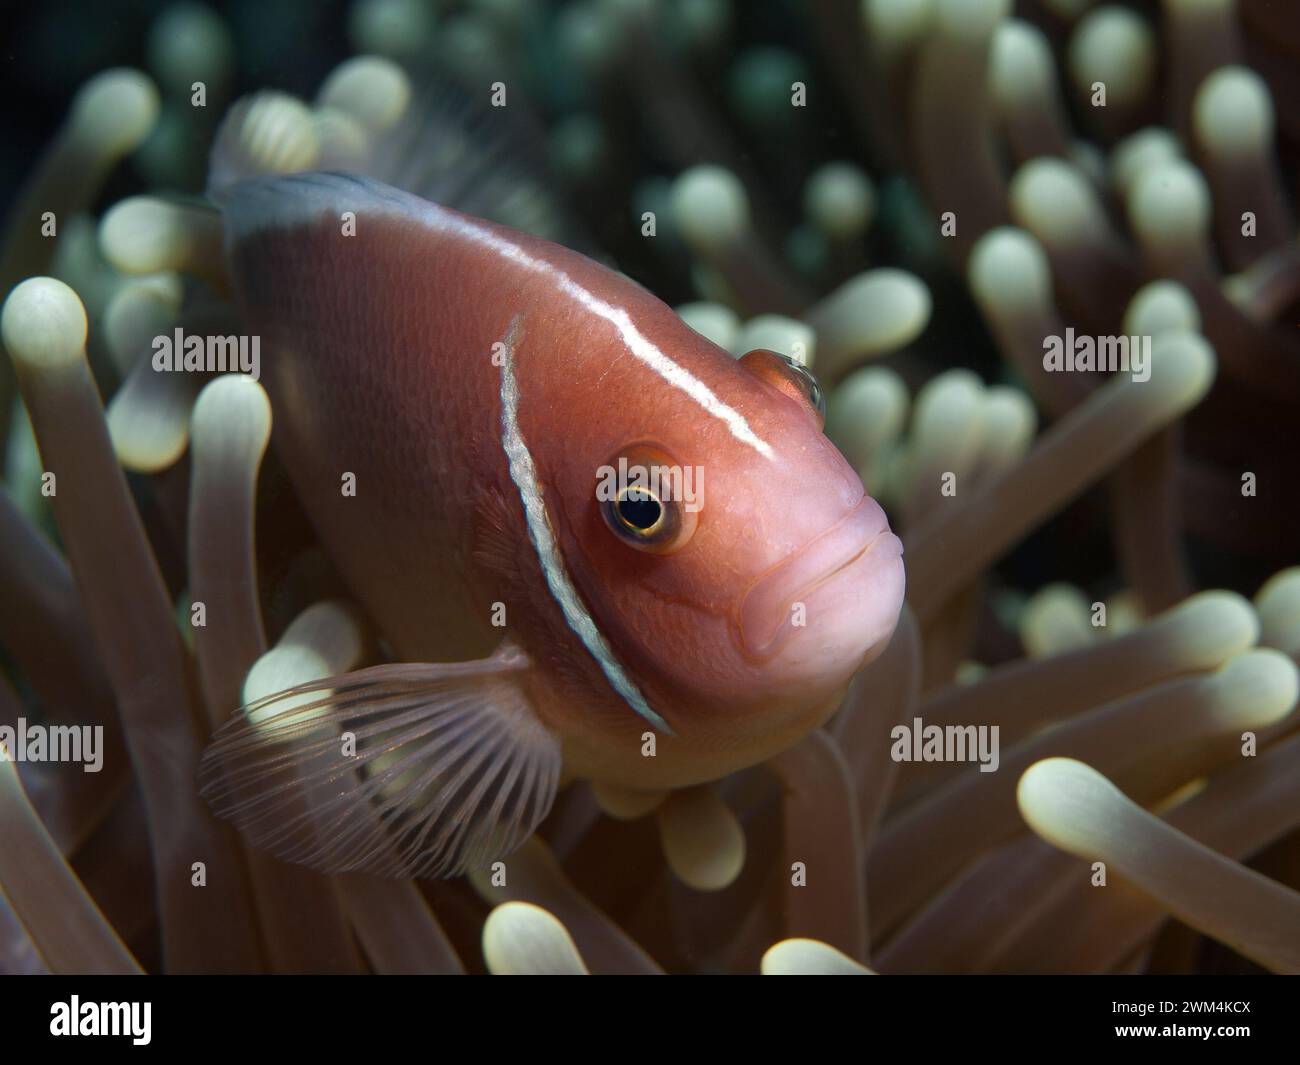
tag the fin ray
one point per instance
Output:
(451, 769)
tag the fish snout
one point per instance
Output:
(826, 606)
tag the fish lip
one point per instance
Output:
(766, 609)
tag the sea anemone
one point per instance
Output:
(911, 197)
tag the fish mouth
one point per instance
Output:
(861, 541)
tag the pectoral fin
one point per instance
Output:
(404, 770)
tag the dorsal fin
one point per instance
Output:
(450, 147)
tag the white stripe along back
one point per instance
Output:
(267, 202)
(636, 342)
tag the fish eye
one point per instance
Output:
(788, 376)
(654, 504)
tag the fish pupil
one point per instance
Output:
(640, 511)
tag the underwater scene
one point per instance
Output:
(650, 487)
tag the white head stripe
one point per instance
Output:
(523, 471)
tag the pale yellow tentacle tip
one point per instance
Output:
(702, 840)
(116, 109)
(710, 206)
(809, 957)
(1058, 798)
(623, 804)
(521, 939)
(373, 90)
(44, 324)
